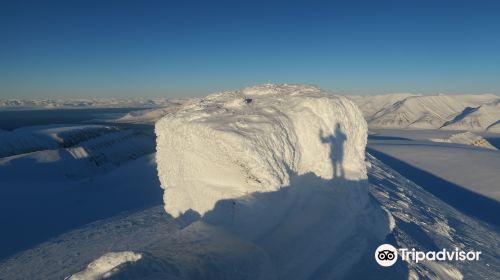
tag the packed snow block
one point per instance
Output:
(223, 147)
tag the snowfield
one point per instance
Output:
(474, 168)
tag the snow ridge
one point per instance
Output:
(454, 112)
(35, 138)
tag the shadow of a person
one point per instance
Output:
(336, 143)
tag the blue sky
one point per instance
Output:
(182, 48)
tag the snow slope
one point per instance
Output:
(370, 105)
(150, 116)
(46, 192)
(35, 138)
(419, 220)
(106, 265)
(466, 138)
(472, 168)
(484, 117)
(424, 221)
(279, 166)
(418, 112)
(457, 112)
(83, 159)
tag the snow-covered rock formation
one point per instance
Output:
(279, 166)
(235, 143)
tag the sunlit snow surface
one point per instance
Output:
(472, 112)
(467, 138)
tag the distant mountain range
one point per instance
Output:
(81, 103)
(472, 112)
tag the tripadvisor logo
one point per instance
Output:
(387, 255)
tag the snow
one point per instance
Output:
(225, 148)
(71, 252)
(495, 127)
(203, 251)
(284, 171)
(150, 116)
(484, 117)
(105, 266)
(82, 160)
(475, 112)
(426, 222)
(92, 179)
(34, 138)
(370, 105)
(17, 104)
(276, 191)
(466, 138)
(472, 168)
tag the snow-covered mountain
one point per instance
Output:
(70, 152)
(457, 112)
(35, 138)
(370, 105)
(81, 103)
(472, 112)
(484, 117)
